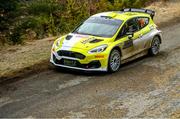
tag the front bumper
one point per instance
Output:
(87, 64)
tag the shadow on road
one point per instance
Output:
(124, 67)
(98, 73)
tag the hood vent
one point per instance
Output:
(95, 41)
(68, 37)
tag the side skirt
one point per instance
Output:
(143, 53)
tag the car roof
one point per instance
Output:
(121, 15)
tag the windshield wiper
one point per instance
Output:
(90, 34)
(87, 34)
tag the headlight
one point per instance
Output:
(98, 49)
(58, 42)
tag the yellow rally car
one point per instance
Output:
(106, 40)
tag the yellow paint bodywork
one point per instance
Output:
(111, 42)
(84, 48)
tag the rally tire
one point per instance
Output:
(155, 46)
(114, 62)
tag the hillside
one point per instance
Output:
(23, 20)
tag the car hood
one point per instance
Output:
(78, 41)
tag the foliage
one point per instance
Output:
(43, 18)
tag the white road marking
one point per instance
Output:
(73, 82)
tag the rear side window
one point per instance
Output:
(142, 22)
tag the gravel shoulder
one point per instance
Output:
(32, 57)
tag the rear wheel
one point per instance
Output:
(114, 61)
(155, 46)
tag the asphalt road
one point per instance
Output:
(146, 87)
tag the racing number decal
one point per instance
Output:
(128, 43)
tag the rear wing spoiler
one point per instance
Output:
(150, 12)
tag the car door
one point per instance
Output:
(134, 27)
(130, 45)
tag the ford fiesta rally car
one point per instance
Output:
(106, 40)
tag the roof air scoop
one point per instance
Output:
(110, 15)
(107, 17)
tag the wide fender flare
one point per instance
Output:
(156, 33)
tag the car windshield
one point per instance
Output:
(102, 27)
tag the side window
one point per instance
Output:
(132, 25)
(129, 26)
(142, 22)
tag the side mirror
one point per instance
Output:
(130, 35)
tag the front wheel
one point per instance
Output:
(155, 46)
(114, 61)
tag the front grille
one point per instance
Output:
(92, 64)
(70, 54)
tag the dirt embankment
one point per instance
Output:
(167, 13)
(33, 56)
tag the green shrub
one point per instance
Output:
(15, 37)
(52, 17)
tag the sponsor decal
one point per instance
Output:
(88, 40)
(99, 56)
(128, 43)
